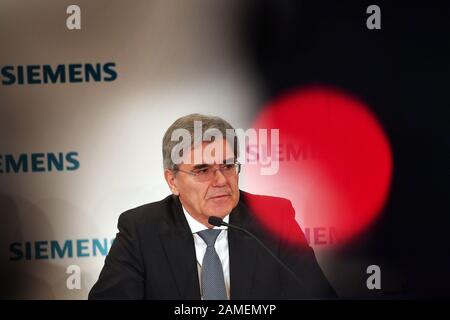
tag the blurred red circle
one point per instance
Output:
(335, 161)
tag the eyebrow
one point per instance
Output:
(201, 166)
(204, 165)
(229, 161)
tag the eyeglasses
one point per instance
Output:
(208, 172)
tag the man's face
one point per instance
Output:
(216, 196)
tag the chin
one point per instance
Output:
(220, 211)
(220, 207)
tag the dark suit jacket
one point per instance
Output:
(153, 255)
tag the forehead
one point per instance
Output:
(210, 152)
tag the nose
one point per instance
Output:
(219, 178)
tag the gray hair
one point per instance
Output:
(187, 123)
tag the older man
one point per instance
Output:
(168, 249)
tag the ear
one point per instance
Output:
(169, 175)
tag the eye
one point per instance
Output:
(202, 171)
(228, 166)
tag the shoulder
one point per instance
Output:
(268, 205)
(147, 213)
(264, 199)
(277, 216)
(274, 213)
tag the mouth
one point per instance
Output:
(217, 197)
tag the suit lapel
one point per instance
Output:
(242, 251)
(179, 247)
(178, 244)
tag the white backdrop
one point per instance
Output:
(171, 58)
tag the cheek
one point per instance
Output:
(199, 191)
(234, 183)
(188, 192)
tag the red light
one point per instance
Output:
(335, 160)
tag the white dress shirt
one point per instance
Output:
(221, 247)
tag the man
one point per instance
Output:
(168, 249)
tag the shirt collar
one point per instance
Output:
(196, 226)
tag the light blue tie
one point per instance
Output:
(213, 282)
